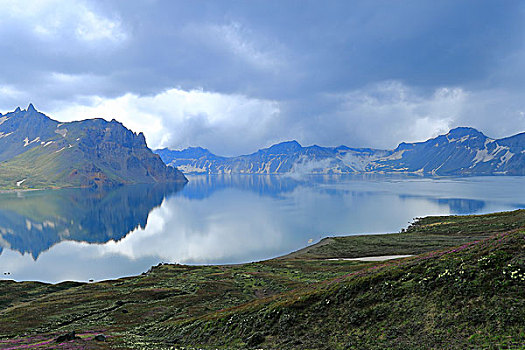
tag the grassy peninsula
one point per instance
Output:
(463, 288)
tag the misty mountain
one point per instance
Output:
(37, 151)
(462, 151)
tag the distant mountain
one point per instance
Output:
(462, 151)
(36, 151)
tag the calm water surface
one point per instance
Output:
(80, 234)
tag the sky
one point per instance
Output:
(236, 76)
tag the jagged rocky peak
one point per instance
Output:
(141, 137)
(100, 131)
(463, 131)
(30, 111)
(285, 147)
(116, 122)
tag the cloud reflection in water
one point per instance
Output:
(232, 219)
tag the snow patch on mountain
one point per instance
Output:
(506, 157)
(483, 155)
(462, 139)
(395, 156)
(190, 168)
(62, 132)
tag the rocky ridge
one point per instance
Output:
(462, 151)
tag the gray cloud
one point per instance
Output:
(359, 73)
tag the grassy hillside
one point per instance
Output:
(466, 296)
(424, 235)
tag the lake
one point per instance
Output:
(82, 234)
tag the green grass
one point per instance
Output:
(470, 296)
(40, 169)
(424, 235)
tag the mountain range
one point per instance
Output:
(462, 151)
(37, 151)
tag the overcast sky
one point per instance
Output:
(235, 76)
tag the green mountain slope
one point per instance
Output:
(36, 152)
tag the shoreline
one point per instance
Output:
(13, 190)
(426, 234)
(22, 190)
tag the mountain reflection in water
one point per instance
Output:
(32, 222)
(79, 234)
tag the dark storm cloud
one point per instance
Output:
(339, 72)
